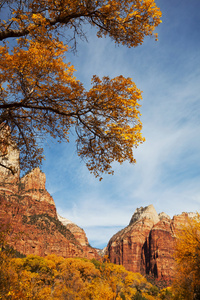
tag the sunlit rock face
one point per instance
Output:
(163, 215)
(80, 236)
(9, 159)
(146, 245)
(147, 212)
(33, 185)
(78, 232)
(29, 211)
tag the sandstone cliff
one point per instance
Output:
(80, 236)
(146, 245)
(30, 211)
(10, 159)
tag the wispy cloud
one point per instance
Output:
(167, 172)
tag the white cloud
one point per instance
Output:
(167, 172)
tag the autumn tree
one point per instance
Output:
(187, 255)
(39, 95)
(58, 278)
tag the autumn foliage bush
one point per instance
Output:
(53, 277)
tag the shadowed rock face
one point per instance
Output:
(30, 211)
(146, 245)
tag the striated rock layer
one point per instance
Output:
(30, 212)
(146, 245)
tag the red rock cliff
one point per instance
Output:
(30, 210)
(146, 245)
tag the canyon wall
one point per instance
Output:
(28, 212)
(146, 245)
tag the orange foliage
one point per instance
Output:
(57, 278)
(39, 94)
(187, 255)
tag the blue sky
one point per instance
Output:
(167, 172)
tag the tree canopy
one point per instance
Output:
(56, 278)
(39, 94)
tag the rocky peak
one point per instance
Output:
(29, 208)
(147, 212)
(35, 179)
(33, 185)
(147, 244)
(64, 221)
(163, 215)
